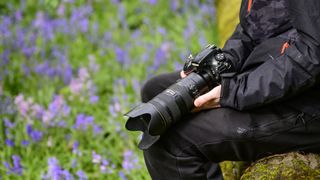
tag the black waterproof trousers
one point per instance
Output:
(191, 148)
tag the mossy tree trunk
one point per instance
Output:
(290, 166)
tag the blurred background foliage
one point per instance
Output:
(70, 69)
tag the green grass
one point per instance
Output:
(127, 42)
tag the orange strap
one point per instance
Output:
(284, 47)
(249, 5)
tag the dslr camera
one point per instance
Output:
(154, 117)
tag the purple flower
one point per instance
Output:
(75, 148)
(35, 135)
(4, 56)
(37, 111)
(54, 170)
(130, 161)
(83, 122)
(67, 175)
(94, 99)
(81, 175)
(92, 64)
(96, 158)
(23, 106)
(10, 142)
(16, 168)
(174, 5)
(76, 86)
(56, 105)
(8, 123)
(115, 1)
(104, 166)
(84, 25)
(115, 107)
(152, 2)
(74, 163)
(122, 16)
(61, 9)
(122, 175)
(136, 85)
(67, 76)
(96, 129)
(62, 124)
(122, 56)
(25, 143)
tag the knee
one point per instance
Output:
(149, 89)
(157, 84)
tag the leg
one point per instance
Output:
(155, 86)
(225, 134)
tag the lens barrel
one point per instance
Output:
(157, 115)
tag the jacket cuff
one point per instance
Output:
(225, 83)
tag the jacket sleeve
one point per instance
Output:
(238, 47)
(294, 71)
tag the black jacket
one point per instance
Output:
(276, 52)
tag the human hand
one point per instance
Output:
(182, 74)
(208, 100)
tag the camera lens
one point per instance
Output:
(167, 107)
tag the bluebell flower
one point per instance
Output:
(122, 175)
(97, 129)
(56, 172)
(84, 25)
(75, 148)
(61, 9)
(122, 56)
(115, 1)
(122, 16)
(10, 143)
(81, 175)
(67, 175)
(104, 166)
(73, 163)
(8, 123)
(152, 2)
(67, 76)
(130, 161)
(16, 168)
(83, 122)
(174, 5)
(25, 143)
(94, 99)
(96, 158)
(62, 124)
(35, 135)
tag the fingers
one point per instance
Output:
(206, 107)
(212, 96)
(182, 74)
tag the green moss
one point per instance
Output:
(232, 170)
(285, 166)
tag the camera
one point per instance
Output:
(154, 117)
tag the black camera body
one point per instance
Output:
(154, 117)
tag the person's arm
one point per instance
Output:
(238, 47)
(296, 70)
